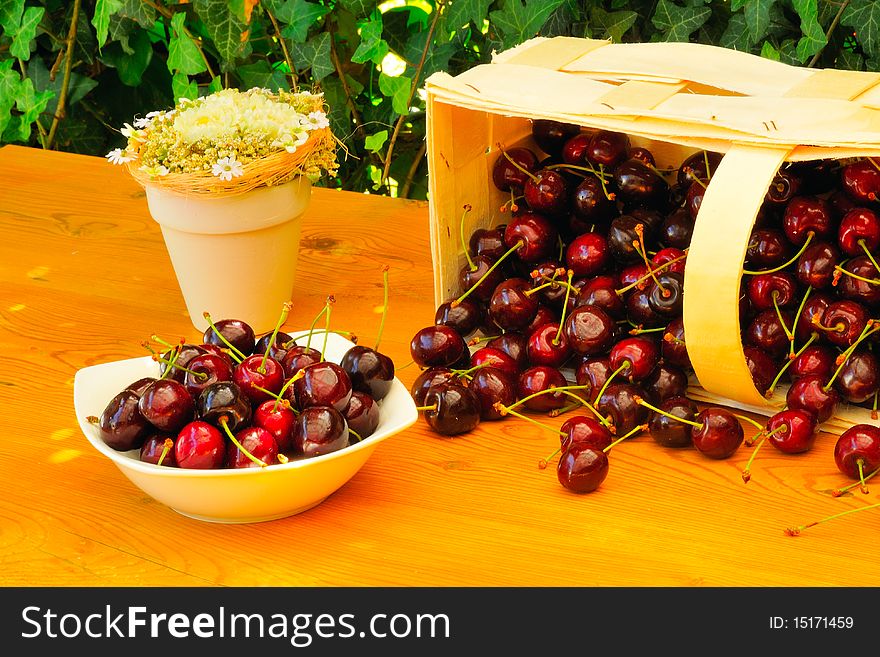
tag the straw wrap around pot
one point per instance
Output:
(674, 98)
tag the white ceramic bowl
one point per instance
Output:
(236, 496)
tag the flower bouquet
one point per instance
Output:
(228, 177)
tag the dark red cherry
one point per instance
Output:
(493, 386)
(512, 307)
(665, 381)
(299, 356)
(547, 192)
(719, 435)
(205, 369)
(362, 414)
(436, 345)
(323, 384)
(537, 379)
(494, 357)
(857, 451)
(256, 375)
(608, 149)
(638, 184)
(582, 468)
(452, 409)
(667, 431)
(465, 316)
(604, 296)
(778, 289)
(550, 136)
(792, 431)
(673, 348)
(786, 184)
(640, 312)
(549, 277)
(138, 387)
(677, 229)
(809, 393)
(621, 237)
(427, 378)
(766, 331)
(815, 266)
(320, 430)
(695, 166)
(537, 235)
(548, 345)
(277, 419)
(276, 347)
(813, 311)
(587, 254)
(637, 354)
(200, 446)
(256, 441)
(863, 285)
(844, 322)
(514, 344)
(368, 370)
(236, 332)
(674, 258)
(574, 150)
(121, 424)
(619, 403)
(859, 231)
(861, 180)
(167, 405)
(159, 447)
(507, 175)
(589, 330)
(666, 294)
(584, 430)
(816, 359)
(859, 377)
(642, 154)
(693, 198)
(224, 399)
(180, 356)
(807, 214)
(593, 372)
(761, 366)
(767, 248)
(488, 242)
(591, 202)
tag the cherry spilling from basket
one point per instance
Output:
(237, 400)
(574, 301)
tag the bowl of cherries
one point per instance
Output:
(237, 428)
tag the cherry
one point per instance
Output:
(810, 393)
(639, 184)
(815, 359)
(200, 446)
(859, 280)
(619, 402)
(859, 377)
(665, 381)
(857, 451)
(575, 148)
(224, 399)
(534, 388)
(511, 176)
(235, 334)
(494, 357)
(767, 247)
(642, 154)
(205, 369)
(437, 345)
(427, 378)
(677, 229)
(488, 242)
(514, 344)
(608, 149)
(666, 294)
(320, 430)
(138, 387)
(277, 419)
(584, 430)
(669, 431)
(792, 431)
(768, 290)
(253, 447)
(550, 289)
(582, 468)
(362, 414)
(761, 367)
(323, 384)
(176, 359)
(451, 408)
(550, 136)
(804, 215)
(602, 295)
(785, 185)
(547, 192)
(719, 433)
(673, 348)
(121, 425)
(816, 265)
(843, 322)
(464, 317)
(592, 202)
(621, 237)
(536, 236)
(589, 330)
(765, 330)
(548, 345)
(512, 307)
(640, 312)
(298, 357)
(861, 180)
(275, 344)
(813, 311)
(167, 405)
(859, 231)
(587, 254)
(492, 386)
(636, 356)
(669, 259)
(699, 165)
(693, 199)
(259, 377)
(479, 278)
(158, 449)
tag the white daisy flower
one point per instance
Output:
(131, 132)
(227, 168)
(315, 121)
(142, 122)
(119, 156)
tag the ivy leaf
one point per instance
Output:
(397, 88)
(9, 83)
(314, 53)
(814, 37)
(736, 34)
(850, 61)
(372, 46)
(300, 16)
(10, 15)
(374, 143)
(360, 8)
(864, 17)
(261, 74)
(611, 25)
(437, 58)
(31, 104)
(78, 87)
(520, 20)
(130, 66)
(183, 54)
(757, 15)
(679, 23)
(461, 13)
(228, 32)
(21, 43)
(138, 11)
(181, 87)
(101, 18)
(768, 51)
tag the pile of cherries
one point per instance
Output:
(236, 400)
(575, 304)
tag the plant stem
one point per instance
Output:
(413, 168)
(60, 109)
(831, 28)
(284, 50)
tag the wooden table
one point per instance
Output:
(85, 278)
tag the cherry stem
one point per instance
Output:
(638, 329)
(466, 372)
(167, 446)
(285, 311)
(746, 418)
(484, 338)
(201, 376)
(296, 377)
(797, 318)
(708, 168)
(224, 423)
(315, 322)
(236, 354)
(638, 400)
(871, 327)
(846, 272)
(464, 246)
(861, 484)
(542, 463)
(165, 343)
(789, 333)
(789, 361)
(521, 168)
(625, 365)
(508, 410)
(553, 389)
(639, 246)
(579, 168)
(356, 434)
(564, 309)
(556, 412)
(590, 407)
(608, 195)
(516, 246)
(651, 271)
(628, 434)
(870, 255)
(791, 261)
(794, 531)
(747, 471)
(330, 301)
(432, 407)
(384, 306)
(698, 180)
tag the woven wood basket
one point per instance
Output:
(674, 98)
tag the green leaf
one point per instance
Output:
(678, 23)
(864, 17)
(314, 54)
(9, 83)
(78, 87)
(397, 88)
(138, 11)
(520, 20)
(611, 25)
(360, 8)
(31, 104)
(101, 18)
(21, 43)
(757, 15)
(182, 87)
(437, 58)
(372, 46)
(736, 34)
(10, 15)
(461, 13)
(226, 29)
(768, 51)
(183, 54)
(261, 74)
(814, 39)
(374, 143)
(849, 61)
(130, 66)
(300, 15)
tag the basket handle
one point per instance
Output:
(714, 270)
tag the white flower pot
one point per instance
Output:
(235, 257)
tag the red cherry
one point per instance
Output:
(200, 446)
